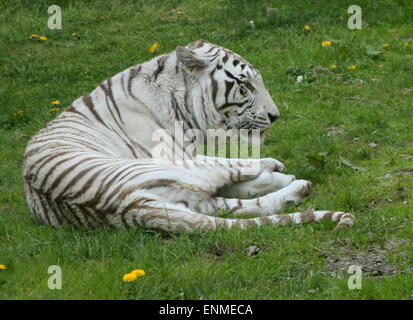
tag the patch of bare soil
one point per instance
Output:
(372, 261)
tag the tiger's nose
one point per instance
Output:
(273, 116)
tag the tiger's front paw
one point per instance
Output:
(293, 193)
(299, 188)
(271, 165)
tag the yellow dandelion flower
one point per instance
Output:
(43, 38)
(56, 102)
(406, 44)
(18, 113)
(333, 66)
(33, 35)
(307, 28)
(54, 109)
(154, 47)
(326, 43)
(386, 45)
(352, 67)
(2, 267)
(138, 272)
(129, 277)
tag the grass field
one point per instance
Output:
(334, 116)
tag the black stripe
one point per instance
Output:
(87, 100)
(108, 91)
(100, 190)
(47, 159)
(127, 144)
(210, 49)
(63, 137)
(175, 107)
(228, 87)
(72, 109)
(160, 68)
(214, 85)
(53, 135)
(52, 169)
(49, 209)
(120, 186)
(133, 73)
(62, 175)
(77, 178)
(230, 75)
(81, 142)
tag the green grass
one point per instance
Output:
(373, 103)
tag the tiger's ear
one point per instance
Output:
(189, 58)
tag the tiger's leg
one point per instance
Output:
(269, 180)
(270, 203)
(265, 183)
(169, 204)
(195, 184)
(187, 184)
(199, 183)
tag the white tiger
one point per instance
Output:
(93, 165)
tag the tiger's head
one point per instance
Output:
(233, 88)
